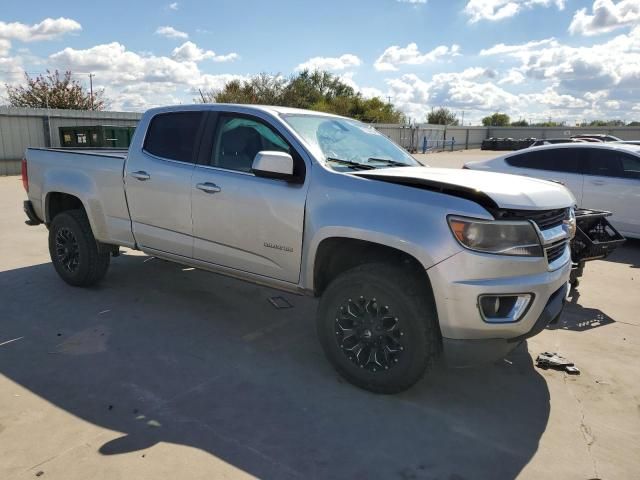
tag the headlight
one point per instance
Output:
(570, 223)
(506, 238)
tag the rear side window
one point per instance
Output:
(173, 135)
(611, 163)
(555, 160)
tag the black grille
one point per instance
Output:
(556, 250)
(544, 218)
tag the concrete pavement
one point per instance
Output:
(169, 372)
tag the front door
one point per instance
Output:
(241, 221)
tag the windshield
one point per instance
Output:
(347, 144)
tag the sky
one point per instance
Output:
(565, 60)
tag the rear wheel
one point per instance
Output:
(378, 327)
(74, 251)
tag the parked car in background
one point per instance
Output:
(554, 141)
(600, 176)
(600, 137)
(407, 261)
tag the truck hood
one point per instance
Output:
(489, 189)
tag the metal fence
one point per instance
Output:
(38, 127)
(624, 133)
(425, 138)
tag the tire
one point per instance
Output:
(74, 250)
(404, 335)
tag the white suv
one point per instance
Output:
(600, 176)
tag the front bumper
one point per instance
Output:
(464, 353)
(458, 282)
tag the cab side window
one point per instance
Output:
(173, 135)
(239, 139)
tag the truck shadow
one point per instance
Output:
(628, 253)
(167, 354)
(577, 318)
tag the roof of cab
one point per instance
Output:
(274, 110)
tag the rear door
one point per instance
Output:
(612, 182)
(242, 221)
(561, 165)
(158, 182)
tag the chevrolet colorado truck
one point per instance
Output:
(410, 263)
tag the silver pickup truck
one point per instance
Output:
(410, 263)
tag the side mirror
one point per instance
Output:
(273, 165)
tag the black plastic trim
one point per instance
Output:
(27, 206)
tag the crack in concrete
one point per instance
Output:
(585, 430)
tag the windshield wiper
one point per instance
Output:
(388, 162)
(350, 163)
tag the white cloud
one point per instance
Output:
(114, 63)
(342, 62)
(606, 16)
(190, 52)
(410, 55)
(551, 98)
(494, 10)
(614, 64)
(5, 46)
(47, 29)
(11, 70)
(471, 90)
(174, 6)
(513, 77)
(534, 45)
(210, 82)
(171, 32)
(135, 81)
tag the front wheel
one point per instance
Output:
(378, 327)
(74, 251)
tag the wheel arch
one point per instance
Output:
(337, 254)
(57, 202)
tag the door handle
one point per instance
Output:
(208, 187)
(597, 182)
(141, 175)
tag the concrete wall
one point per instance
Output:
(625, 133)
(38, 127)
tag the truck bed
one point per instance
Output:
(93, 175)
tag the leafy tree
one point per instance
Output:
(633, 124)
(442, 116)
(520, 123)
(54, 90)
(496, 120)
(316, 90)
(548, 124)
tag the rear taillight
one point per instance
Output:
(25, 175)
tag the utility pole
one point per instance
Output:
(463, 118)
(389, 100)
(91, 75)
